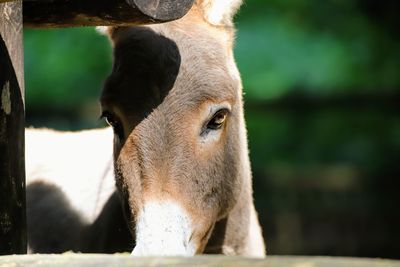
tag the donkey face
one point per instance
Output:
(174, 101)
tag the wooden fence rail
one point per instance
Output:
(72, 13)
(94, 260)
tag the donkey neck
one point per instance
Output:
(238, 233)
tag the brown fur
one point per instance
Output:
(166, 83)
(165, 79)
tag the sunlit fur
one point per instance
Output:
(167, 81)
(71, 199)
(163, 156)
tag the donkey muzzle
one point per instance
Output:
(164, 229)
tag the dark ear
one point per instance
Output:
(219, 12)
(105, 30)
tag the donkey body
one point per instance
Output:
(180, 157)
(72, 202)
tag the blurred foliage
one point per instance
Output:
(321, 81)
(324, 47)
(64, 72)
(79, 58)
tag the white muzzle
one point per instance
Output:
(164, 229)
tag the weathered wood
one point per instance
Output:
(12, 166)
(72, 13)
(206, 261)
(11, 32)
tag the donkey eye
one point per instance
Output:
(113, 122)
(109, 118)
(218, 120)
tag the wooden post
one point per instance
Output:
(12, 163)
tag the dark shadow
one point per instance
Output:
(145, 68)
(55, 227)
(12, 168)
(109, 233)
(217, 238)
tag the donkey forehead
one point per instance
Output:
(149, 66)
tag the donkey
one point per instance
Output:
(180, 158)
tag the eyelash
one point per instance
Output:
(212, 124)
(113, 122)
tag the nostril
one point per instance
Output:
(207, 234)
(186, 241)
(190, 237)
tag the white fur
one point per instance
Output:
(256, 247)
(102, 29)
(68, 160)
(220, 12)
(163, 229)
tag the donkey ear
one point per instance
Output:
(103, 29)
(106, 30)
(110, 32)
(220, 12)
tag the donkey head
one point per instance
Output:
(180, 150)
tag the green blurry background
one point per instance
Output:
(321, 81)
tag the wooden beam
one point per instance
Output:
(81, 260)
(72, 13)
(12, 164)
